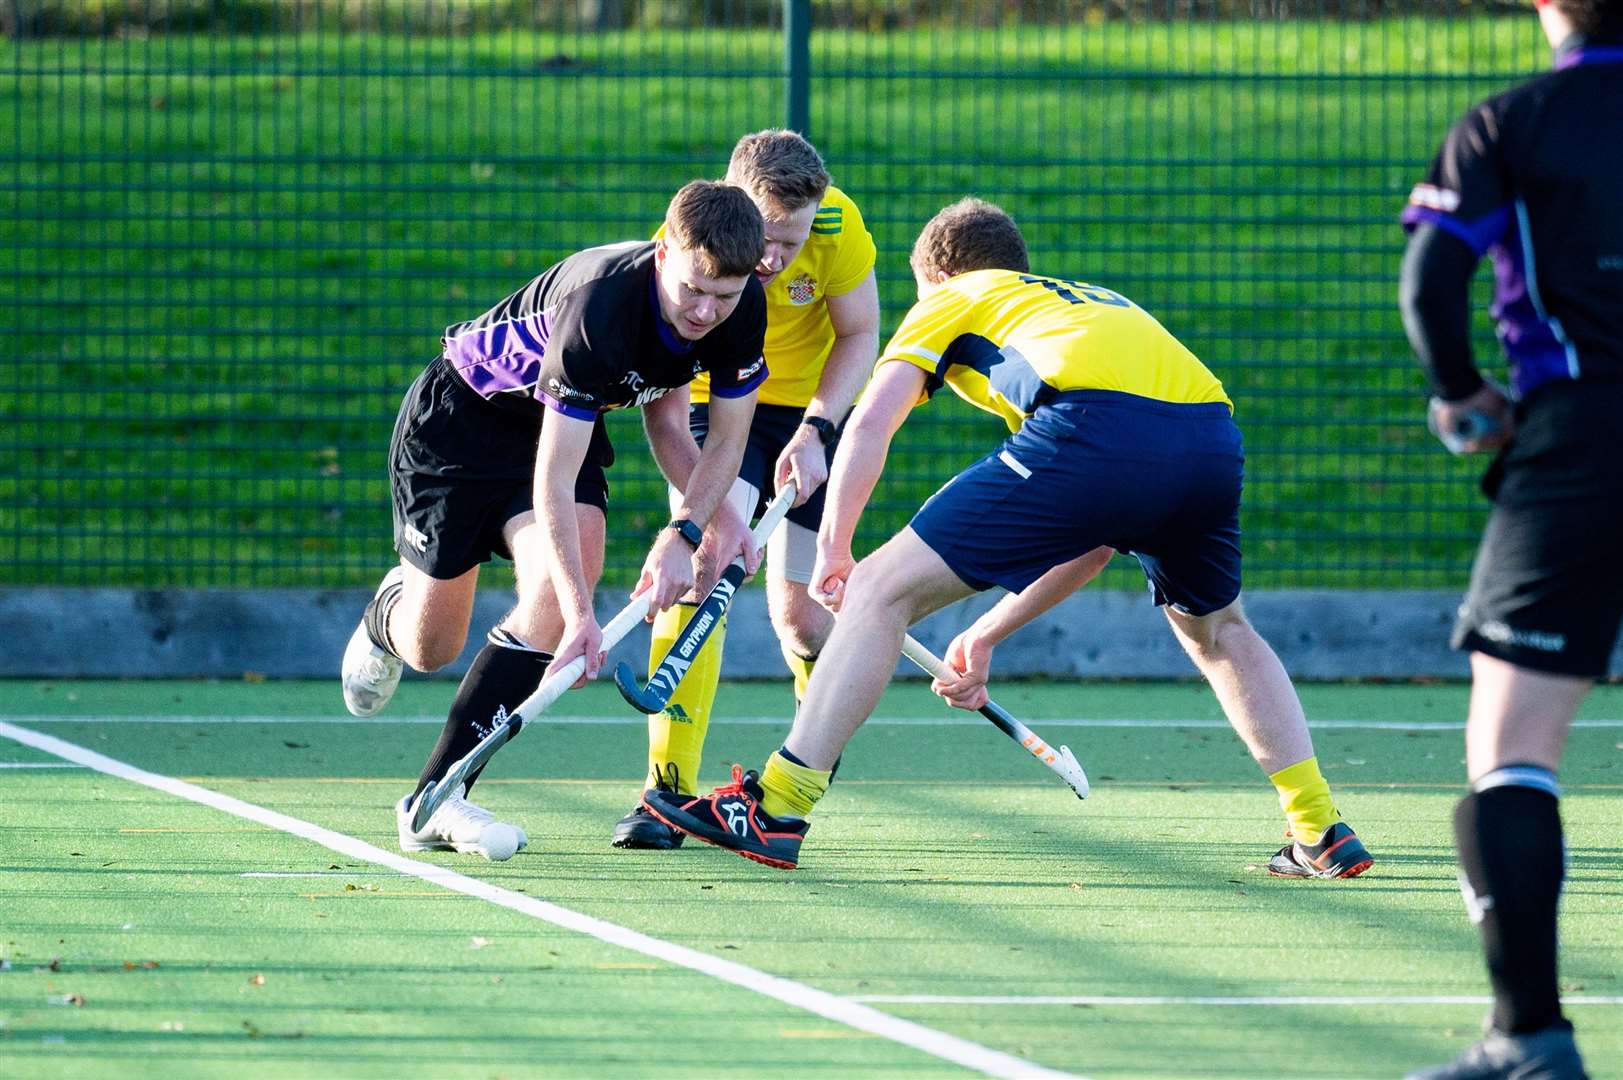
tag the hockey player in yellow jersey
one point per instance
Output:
(1121, 440)
(821, 341)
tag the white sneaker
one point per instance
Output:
(370, 674)
(459, 825)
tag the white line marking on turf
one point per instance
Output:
(308, 873)
(818, 1002)
(1085, 999)
(945, 720)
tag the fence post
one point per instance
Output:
(797, 65)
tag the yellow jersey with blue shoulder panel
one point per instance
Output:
(838, 255)
(1006, 341)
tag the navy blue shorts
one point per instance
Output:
(770, 432)
(1157, 480)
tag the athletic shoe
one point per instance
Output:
(371, 672)
(459, 825)
(731, 817)
(1338, 854)
(641, 829)
(1550, 1054)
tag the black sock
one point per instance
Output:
(377, 616)
(501, 676)
(1511, 857)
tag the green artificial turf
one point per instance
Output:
(945, 861)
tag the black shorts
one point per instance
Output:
(1547, 588)
(461, 468)
(770, 432)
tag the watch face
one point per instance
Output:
(689, 532)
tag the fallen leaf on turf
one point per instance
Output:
(253, 676)
(150, 965)
(253, 1032)
(172, 1025)
(65, 999)
(257, 980)
(480, 942)
(1076, 885)
(55, 964)
(296, 745)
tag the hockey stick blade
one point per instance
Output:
(1060, 759)
(552, 688)
(668, 673)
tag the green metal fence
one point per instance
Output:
(232, 233)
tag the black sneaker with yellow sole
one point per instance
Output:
(731, 817)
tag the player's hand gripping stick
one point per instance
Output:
(706, 617)
(1060, 760)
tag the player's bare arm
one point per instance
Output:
(669, 569)
(564, 441)
(855, 317)
(705, 496)
(676, 453)
(970, 653)
(895, 389)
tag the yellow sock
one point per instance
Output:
(1305, 797)
(790, 790)
(801, 668)
(676, 736)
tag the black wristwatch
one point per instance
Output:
(688, 531)
(827, 430)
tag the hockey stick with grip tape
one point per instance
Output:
(551, 689)
(706, 617)
(1059, 759)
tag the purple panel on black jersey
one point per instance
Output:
(1536, 356)
(502, 358)
(1480, 235)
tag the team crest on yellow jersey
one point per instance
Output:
(802, 290)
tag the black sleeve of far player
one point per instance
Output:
(1434, 297)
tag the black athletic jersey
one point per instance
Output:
(1534, 176)
(587, 336)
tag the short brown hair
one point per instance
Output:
(719, 225)
(780, 167)
(971, 234)
(1593, 17)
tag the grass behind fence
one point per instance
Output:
(229, 255)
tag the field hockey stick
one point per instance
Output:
(706, 617)
(551, 689)
(1060, 760)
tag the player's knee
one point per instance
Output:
(430, 651)
(1216, 633)
(875, 589)
(802, 624)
